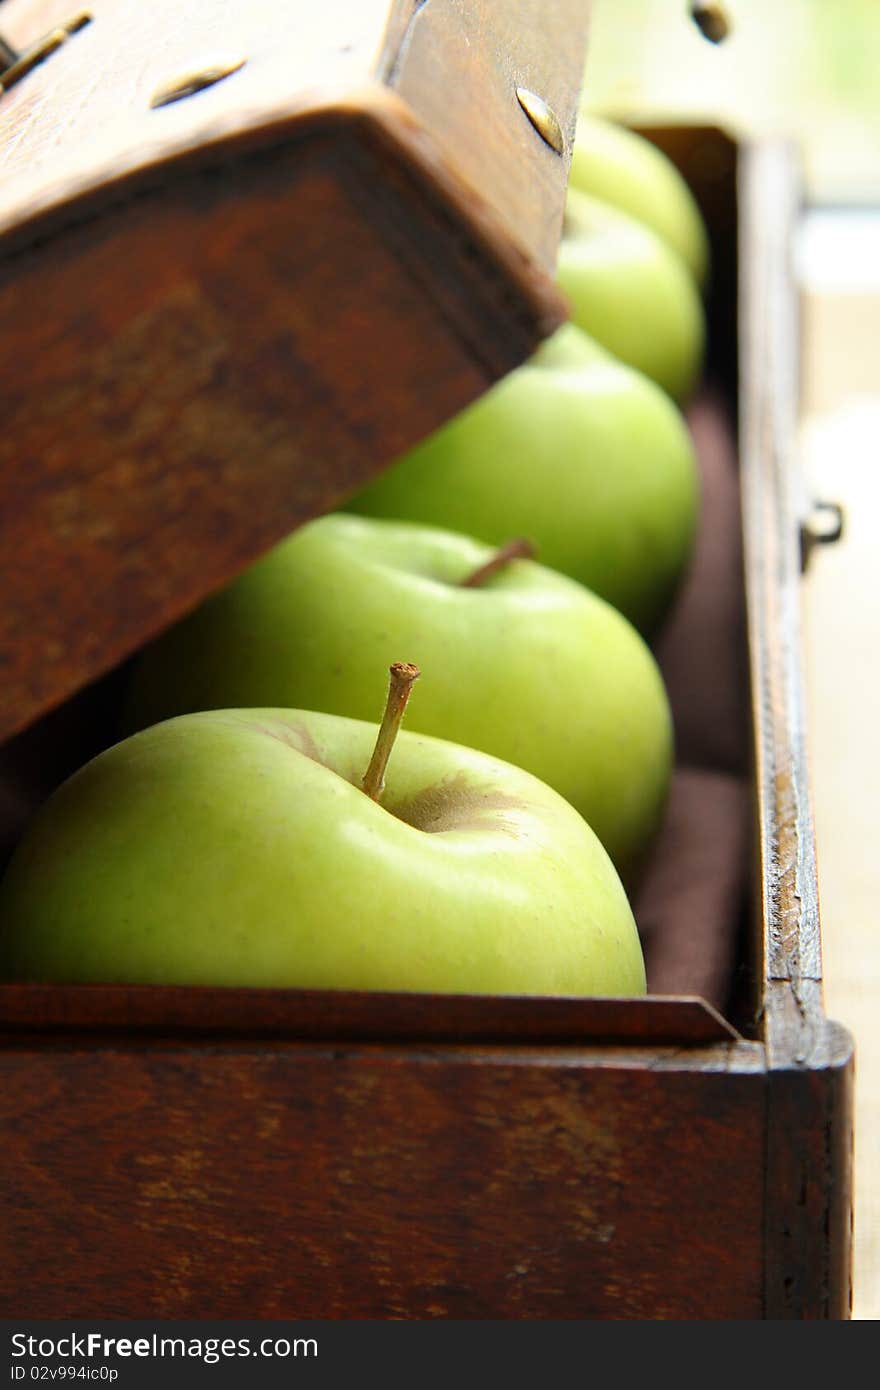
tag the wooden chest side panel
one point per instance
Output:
(298, 1181)
(810, 1059)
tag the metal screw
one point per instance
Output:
(542, 118)
(14, 66)
(190, 83)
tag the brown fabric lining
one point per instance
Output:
(690, 900)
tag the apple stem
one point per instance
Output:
(403, 678)
(517, 549)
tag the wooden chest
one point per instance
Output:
(238, 1153)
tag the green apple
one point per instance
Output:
(588, 458)
(627, 170)
(240, 848)
(631, 293)
(529, 666)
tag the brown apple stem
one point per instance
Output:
(517, 549)
(403, 678)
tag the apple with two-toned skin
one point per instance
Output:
(627, 170)
(250, 848)
(588, 458)
(630, 292)
(519, 661)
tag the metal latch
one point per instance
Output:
(823, 525)
(14, 66)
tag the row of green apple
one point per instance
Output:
(230, 838)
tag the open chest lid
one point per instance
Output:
(248, 255)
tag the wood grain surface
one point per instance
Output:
(296, 1181)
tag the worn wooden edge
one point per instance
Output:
(809, 1136)
(350, 1015)
(809, 1161)
(770, 193)
(523, 284)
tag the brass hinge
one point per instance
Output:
(14, 66)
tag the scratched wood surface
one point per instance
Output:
(223, 314)
(352, 1181)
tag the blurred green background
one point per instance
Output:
(806, 68)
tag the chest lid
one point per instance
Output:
(248, 254)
